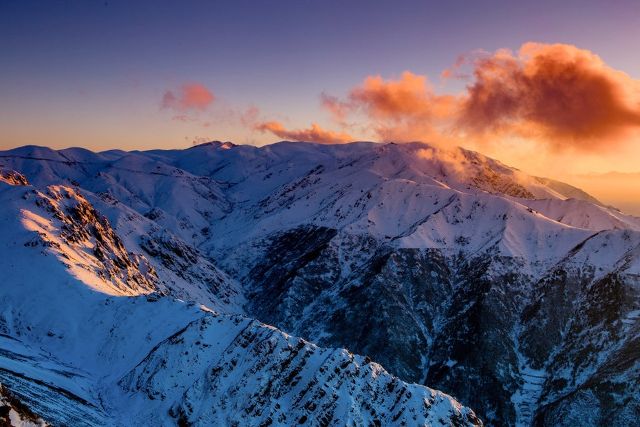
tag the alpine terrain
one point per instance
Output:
(223, 284)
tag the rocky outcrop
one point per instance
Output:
(81, 231)
(15, 412)
(241, 372)
(12, 177)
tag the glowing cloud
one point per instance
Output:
(394, 99)
(189, 97)
(314, 134)
(564, 94)
(557, 94)
(400, 110)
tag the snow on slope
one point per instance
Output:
(82, 239)
(381, 190)
(187, 210)
(240, 371)
(183, 271)
(128, 254)
(83, 342)
(584, 214)
(216, 196)
(172, 197)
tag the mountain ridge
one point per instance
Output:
(74, 342)
(441, 264)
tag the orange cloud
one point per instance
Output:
(566, 95)
(405, 109)
(394, 99)
(191, 96)
(557, 94)
(314, 134)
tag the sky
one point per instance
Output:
(550, 87)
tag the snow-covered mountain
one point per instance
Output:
(517, 295)
(92, 332)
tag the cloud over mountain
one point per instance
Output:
(398, 109)
(313, 134)
(557, 94)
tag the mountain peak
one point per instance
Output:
(216, 144)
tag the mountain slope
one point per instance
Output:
(90, 335)
(445, 266)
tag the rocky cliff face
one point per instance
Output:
(86, 237)
(474, 327)
(426, 317)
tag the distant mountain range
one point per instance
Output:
(169, 287)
